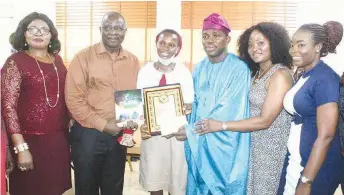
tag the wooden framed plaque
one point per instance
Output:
(161, 104)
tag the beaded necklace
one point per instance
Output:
(45, 86)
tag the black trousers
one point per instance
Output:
(99, 162)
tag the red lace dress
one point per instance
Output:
(25, 111)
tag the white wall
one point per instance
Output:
(10, 15)
(6, 22)
(320, 12)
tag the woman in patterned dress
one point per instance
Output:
(265, 47)
(313, 164)
(34, 110)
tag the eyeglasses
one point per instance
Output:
(109, 28)
(34, 30)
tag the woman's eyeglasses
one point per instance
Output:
(34, 30)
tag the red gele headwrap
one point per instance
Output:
(173, 32)
(216, 21)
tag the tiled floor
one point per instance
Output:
(132, 186)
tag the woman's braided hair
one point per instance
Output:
(329, 34)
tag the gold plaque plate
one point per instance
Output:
(161, 103)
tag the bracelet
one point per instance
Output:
(21, 148)
(305, 180)
(224, 126)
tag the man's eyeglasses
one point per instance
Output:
(109, 28)
(34, 30)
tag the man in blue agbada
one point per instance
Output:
(218, 162)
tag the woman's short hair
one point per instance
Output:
(279, 44)
(19, 42)
(329, 35)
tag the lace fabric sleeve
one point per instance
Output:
(10, 90)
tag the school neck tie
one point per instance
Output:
(162, 80)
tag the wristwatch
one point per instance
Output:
(305, 180)
(224, 126)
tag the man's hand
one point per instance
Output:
(130, 125)
(112, 128)
(181, 134)
(144, 132)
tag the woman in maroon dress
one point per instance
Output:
(34, 110)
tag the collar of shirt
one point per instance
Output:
(123, 54)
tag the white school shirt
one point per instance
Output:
(150, 77)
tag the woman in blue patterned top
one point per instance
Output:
(313, 162)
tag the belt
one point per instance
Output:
(297, 119)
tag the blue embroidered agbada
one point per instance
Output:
(218, 162)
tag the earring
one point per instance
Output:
(49, 46)
(317, 51)
(25, 44)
